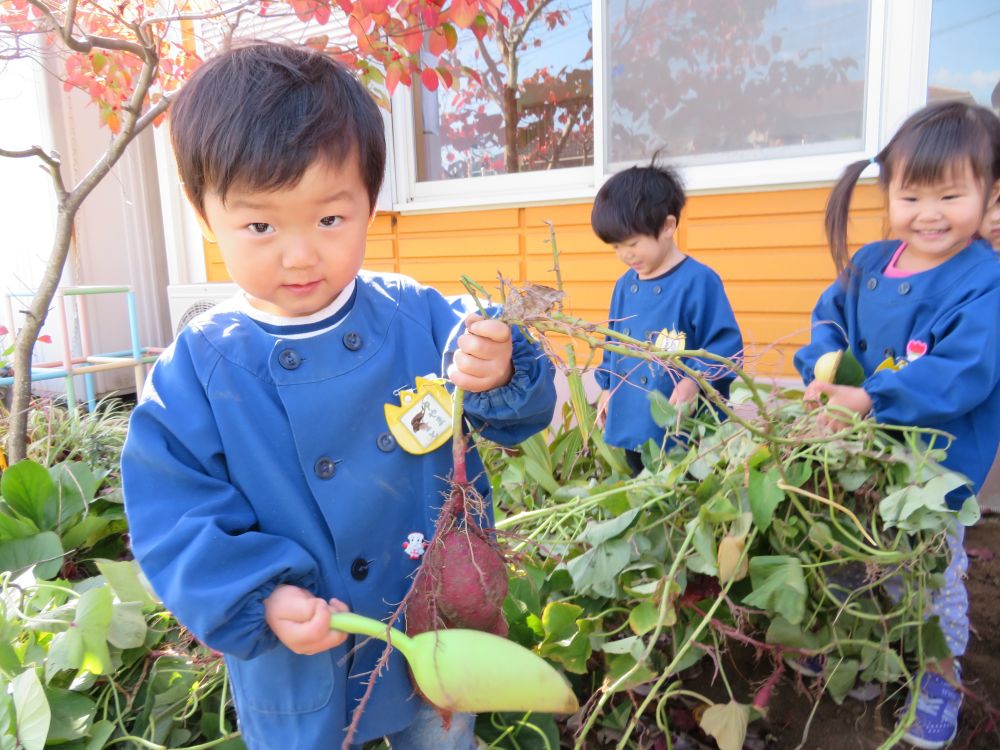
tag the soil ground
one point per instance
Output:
(864, 726)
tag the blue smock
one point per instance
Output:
(688, 299)
(939, 327)
(253, 461)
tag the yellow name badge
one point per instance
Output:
(671, 341)
(422, 421)
(891, 364)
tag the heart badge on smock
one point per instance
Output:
(422, 421)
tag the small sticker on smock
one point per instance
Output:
(415, 545)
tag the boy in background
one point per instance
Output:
(665, 297)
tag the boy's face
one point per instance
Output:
(294, 250)
(650, 256)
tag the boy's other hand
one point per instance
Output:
(483, 359)
(602, 408)
(302, 621)
(847, 397)
(684, 392)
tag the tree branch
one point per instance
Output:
(53, 166)
(89, 41)
(207, 15)
(130, 128)
(70, 19)
(33, 151)
(152, 113)
(522, 28)
(498, 77)
(571, 121)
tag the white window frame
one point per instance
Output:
(544, 186)
(800, 169)
(896, 85)
(557, 185)
(181, 232)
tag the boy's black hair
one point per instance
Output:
(636, 202)
(931, 142)
(256, 117)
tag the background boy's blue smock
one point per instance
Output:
(254, 461)
(689, 299)
(946, 319)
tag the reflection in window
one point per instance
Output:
(959, 27)
(533, 110)
(735, 79)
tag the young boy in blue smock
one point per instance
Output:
(665, 296)
(263, 487)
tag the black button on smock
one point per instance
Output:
(289, 359)
(325, 467)
(359, 569)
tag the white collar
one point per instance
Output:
(270, 319)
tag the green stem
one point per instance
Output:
(705, 621)
(721, 670)
(646, 350)
(623, 743)
(154, 746)
(914, 683)
(577, 504)
(833, 504)
(665, 602)
(349, 622)
(458, 436)
(555, 261)
(602, 337)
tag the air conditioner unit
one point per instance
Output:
(187, 301)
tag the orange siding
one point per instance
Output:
(767, 246)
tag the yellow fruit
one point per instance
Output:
(826, 366)
(839, 368)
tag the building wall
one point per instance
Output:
(768, 247)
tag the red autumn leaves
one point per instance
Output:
(391, 42)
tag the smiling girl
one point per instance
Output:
(921, 312)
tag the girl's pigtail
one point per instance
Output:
(837, 208)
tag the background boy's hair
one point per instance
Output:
(931, 142)
(636, 202)
(256, 117)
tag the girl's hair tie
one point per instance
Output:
(873, 160)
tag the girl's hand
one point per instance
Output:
(302, 621)
(684, 392)
(602, 408)
(847, 397)
(483, 359)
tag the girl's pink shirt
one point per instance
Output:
(892, 271)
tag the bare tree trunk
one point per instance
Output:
(571, 122)
(69, 204)
(510, 119)
(17, 438)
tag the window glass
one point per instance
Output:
(965, 53)
(534, 110)
(734, 80)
